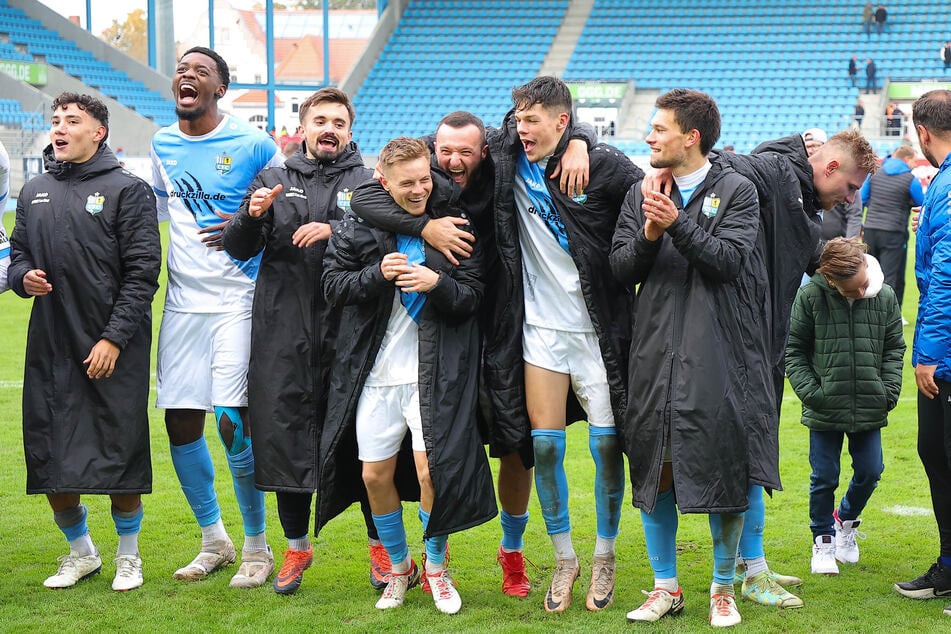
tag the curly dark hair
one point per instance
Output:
(96, 109)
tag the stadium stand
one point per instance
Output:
(447, 55)
(775, 68)
(28, 40)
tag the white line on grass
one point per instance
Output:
(907, 511)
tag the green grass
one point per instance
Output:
(336, 595)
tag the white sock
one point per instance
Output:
(563, 546)
(213, 533)
(82, 546)
(299, 543)
(671, 585)
(604, 546)
(755, 566)
(722, 588)
(128, 544)
(402, 567)
(255, 543)
(374, 542)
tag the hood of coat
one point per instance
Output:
(794, 149)
(103, 160)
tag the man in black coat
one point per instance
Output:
(86, 247)
(288, 217)
(793, 187)
(405, 373)
(698, 352)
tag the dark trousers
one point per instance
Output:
(890, 248)
(934, 449)
(293, 509)
(825, 457)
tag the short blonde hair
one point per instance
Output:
(401, 150)
(857, 147)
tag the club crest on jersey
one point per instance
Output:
(223, 163)
(94, 203)
(343, 199)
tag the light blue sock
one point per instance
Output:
(551, 483)
(608, 478)
(196, 474)
(725, 528)
(754, 520)
(435, 546)
(250, 499)
(392, 535)
(513, 528)
(660, 535)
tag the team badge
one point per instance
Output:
(94, 203)
(223, 163)
(343, 199)
(711, 204)
(580, 198)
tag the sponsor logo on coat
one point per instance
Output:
(94, 203)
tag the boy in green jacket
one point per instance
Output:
(844, 360)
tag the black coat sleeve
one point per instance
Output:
(459, 294)
(140, 251)
(632, 254)
(721, 253)
(21, 258)
(352, 277)
(374, 204)
(245, 236)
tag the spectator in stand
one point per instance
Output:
(859, 113)
(853, 70)
(870, 70)
(881, 15)
(868, 17)
(946, 55)
(890, 194)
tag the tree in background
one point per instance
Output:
(131, 36)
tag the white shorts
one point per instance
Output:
(203, 360)
(384, 414)
(578, 355)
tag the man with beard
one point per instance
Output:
(288, 218)
(696, 348)
(86, 248)
(461, 149)
(793, 186)
(202, 168)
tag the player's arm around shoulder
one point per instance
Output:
(247, 232)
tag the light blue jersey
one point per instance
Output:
(199, 182)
